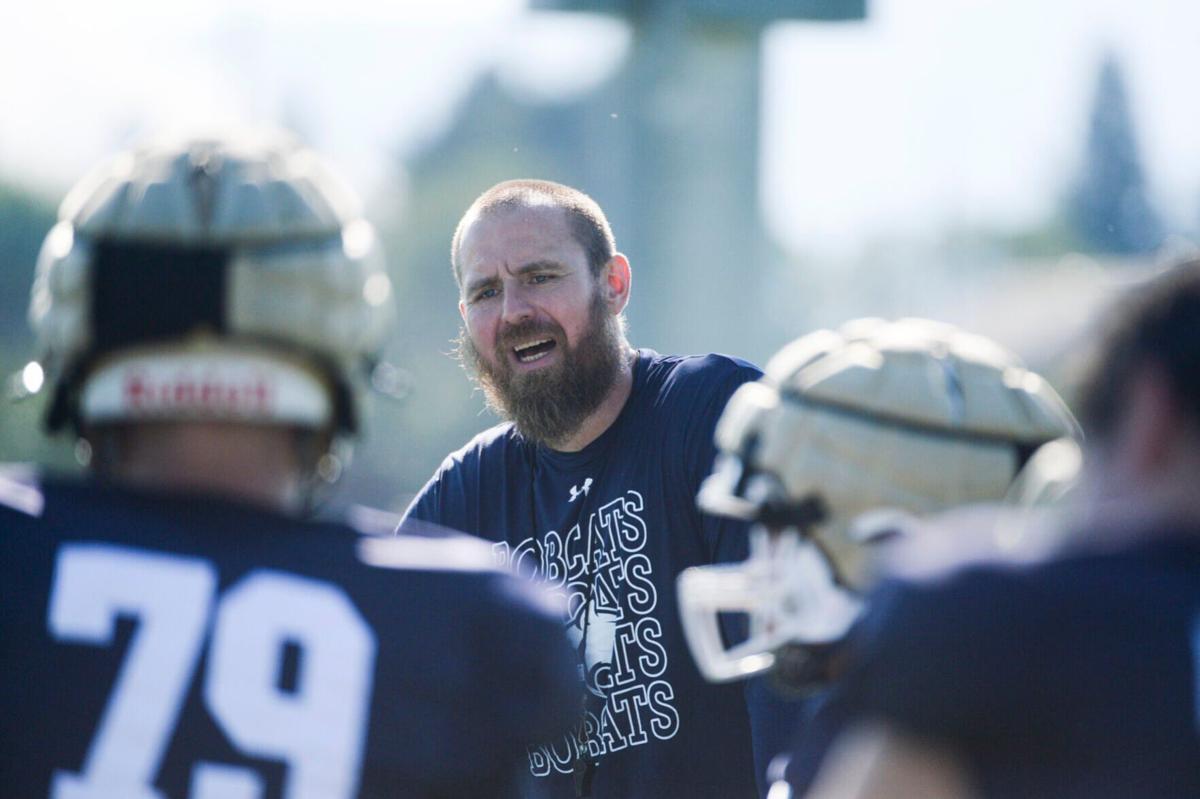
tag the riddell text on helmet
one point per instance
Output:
(203, 392)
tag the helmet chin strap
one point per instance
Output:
(803, 670)
(803, 515)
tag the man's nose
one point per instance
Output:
(516, 305)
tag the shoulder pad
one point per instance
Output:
(459, 553)
(20, 489)
(975, 535)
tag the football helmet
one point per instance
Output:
(210, 278)
(846, 440)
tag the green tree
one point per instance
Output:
(1109, 208)
(25, 217)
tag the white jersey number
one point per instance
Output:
(317, 728)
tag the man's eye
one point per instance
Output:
(486, 294)
(541, 279)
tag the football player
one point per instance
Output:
(206, 312)
(848, 439)
(1074, 675)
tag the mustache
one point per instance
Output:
(524, 330)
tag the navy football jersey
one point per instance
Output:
(611, 526)
(1073, 678)
(174, 646)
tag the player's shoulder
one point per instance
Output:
(471, 562)
(21, 493)
(448, 553)
(913, 628)
(978, 535)
(998, 548)
(997, 600)
(32, 499)
(958, 573)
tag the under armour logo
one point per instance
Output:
(576, 491)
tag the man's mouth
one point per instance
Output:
(534, 350)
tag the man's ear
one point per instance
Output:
(1151, 424)
(462, 310)
(617, 280)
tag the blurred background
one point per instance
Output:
(768, 166)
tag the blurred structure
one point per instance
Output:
(678, 173)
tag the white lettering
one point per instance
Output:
(610, 592)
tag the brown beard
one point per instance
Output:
(550, 404)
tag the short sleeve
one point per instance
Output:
(725, 539)
(440, 502)
(425, 506)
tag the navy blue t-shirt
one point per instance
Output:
(155, 645)
(1073, 678)
(611, 526)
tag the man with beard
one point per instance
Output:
(590, 485)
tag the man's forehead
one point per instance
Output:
(519, 220)
(519, 234)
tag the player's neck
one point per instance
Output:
(1131, 506)
(607, 412)
(252, 464)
